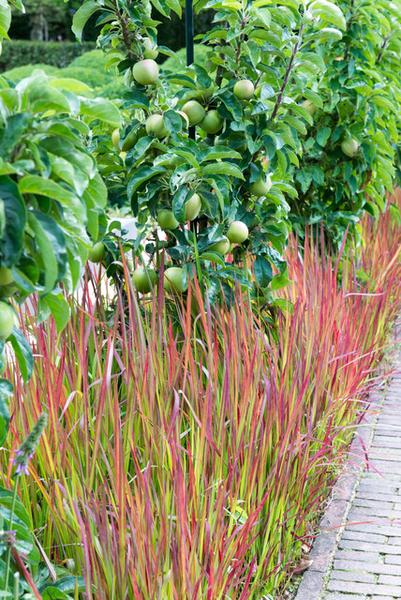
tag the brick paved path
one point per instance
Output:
(367, 562)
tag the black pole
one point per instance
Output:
(189, 31)
(189, 42)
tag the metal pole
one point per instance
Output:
(189, 31)
(189, 42)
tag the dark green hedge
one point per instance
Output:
(23, 52)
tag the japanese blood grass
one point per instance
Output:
(192, 465)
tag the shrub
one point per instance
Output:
(95, 60)
(19, 73)
(90, 68)
(351, 152)
(93, 69)
(22, 52)
(190, 459)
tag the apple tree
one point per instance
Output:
(52, 200)
(208, 152)
(350, 155)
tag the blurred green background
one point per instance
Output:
(42, 38)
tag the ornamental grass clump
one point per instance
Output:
(188, 458)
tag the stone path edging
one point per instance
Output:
(331, 526)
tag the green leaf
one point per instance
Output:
(140, 148)
(220, 152)
(213, 257)
(232, 104)
(52, 593)
(179, 199)
(43, 98)
(66, 149)
(6, 391)
(140, 177)
(223, 168)
(263, 271)
(323, 135)
(304, 177)
(96, 192)
(175, 6)
(187, 156)
(23, 353)
(59, 308)
(71, 85)
(101, 109)
(172, 121)
(5, 18)
(138, 99)
(279, 281)
(328, 12)
(51, 243)
(10, 135)
(12, 221)
(22, 525)
(330, 34)
(64, 170)
(34, 184)
(68, 584)
(82, 16)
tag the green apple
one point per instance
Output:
(115, 138)
(174, 280)
(261, 186)
(6, 276)
(154, 125)
(350, 147)
(97, 252)
(7, 320)
(166, 219)
(212, 123)
(146, 72)
(244, 89)
(309, 107)
(144, 279)
(194, 111)
(237, 232)
(149, 48)
(221, 247)
(192, 207)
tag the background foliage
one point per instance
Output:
(90, 68)
(17, 53)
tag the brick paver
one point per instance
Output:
(367, 562)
